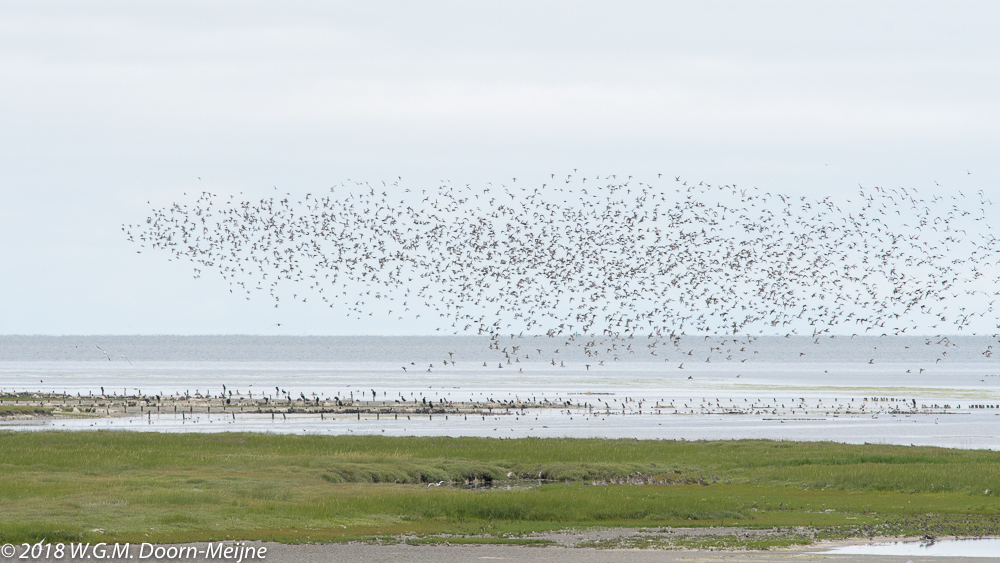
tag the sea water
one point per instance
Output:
(982, 547)
(942, 391)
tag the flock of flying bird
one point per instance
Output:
(594, 259)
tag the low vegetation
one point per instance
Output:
(131, 486)
(23, 410)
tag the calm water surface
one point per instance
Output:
(929, 391)
(984, 547)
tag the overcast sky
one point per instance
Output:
(107, 105)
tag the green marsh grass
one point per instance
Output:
(21, 410)
(124, 486)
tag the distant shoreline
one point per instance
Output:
(64, 405)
